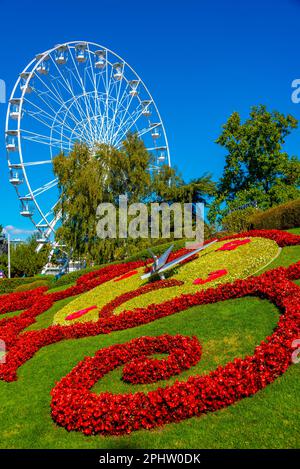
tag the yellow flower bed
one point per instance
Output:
(245, 260)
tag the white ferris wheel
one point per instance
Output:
(77, 91)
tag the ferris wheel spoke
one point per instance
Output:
(42, 116)
(77, 105)
(128, 124)
(44, 188)
(41, 96)
(56, 122)
(146, 130)
(54, 96)
(75, 100)
(125, 96)
(43, 139)
(105, 124)
(37, 116)
(126, 111)
(36, 163)
(84, 90)
(58, 100)
(96, 91)
(119, 87)
(69, 87)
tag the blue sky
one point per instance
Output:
(201, 59)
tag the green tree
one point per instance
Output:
(87, 179)
(25, 261)
(256, 166)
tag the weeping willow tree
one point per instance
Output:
(88, 177)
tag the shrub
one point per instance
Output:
(282, 217)
(32, 285)
(239, 220)
(8, 285)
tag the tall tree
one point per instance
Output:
(256, 165)
(87, 178)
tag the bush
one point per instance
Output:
(239, 220)
(282, 217)
(8, 285)
(32, 285)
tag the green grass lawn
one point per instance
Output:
(270, 419)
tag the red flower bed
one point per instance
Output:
(20, 300)
(184, 352)
(282, 238)
(211, 276)
(107, 413)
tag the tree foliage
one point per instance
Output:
(25, 261)
(256, 166)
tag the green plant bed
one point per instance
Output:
(295, 231)
(8, 285)
(47, 319)
(10, 315)
(226, 330)
(31, 286)
(60, 288)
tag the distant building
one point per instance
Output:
(16, 242)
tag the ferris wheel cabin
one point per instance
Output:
(100, 59)
(61, 55)
(26, 82)
(80, 52)
(43, 66)
(15, 108)
(12, 140)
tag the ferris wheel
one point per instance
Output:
(75, 92)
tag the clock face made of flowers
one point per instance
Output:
(222, 262)
(75, 407)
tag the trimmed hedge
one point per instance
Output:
(8, 285)
(32, 286)
(282, 217)
(239, 220)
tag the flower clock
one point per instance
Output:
(115, 298)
